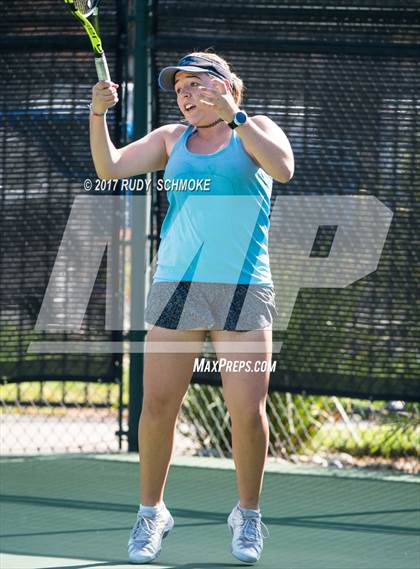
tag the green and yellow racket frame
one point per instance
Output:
(100, 59)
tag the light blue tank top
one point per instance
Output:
(219, 235)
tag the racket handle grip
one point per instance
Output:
(102, 68)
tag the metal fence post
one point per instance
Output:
(140, 209)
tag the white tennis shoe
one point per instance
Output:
(247, 534)
(145, 541)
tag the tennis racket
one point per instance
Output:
(82, 10)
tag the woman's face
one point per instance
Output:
(188, 96)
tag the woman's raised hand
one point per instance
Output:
(104, 96)
(219, 98)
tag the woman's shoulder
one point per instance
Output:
(267, 124)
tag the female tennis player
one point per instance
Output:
(213, 274)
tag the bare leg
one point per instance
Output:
(166, 380)
(246, 395)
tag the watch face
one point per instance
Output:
(240, 117)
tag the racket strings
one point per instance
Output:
(85, 7)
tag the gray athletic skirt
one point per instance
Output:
(214, 306)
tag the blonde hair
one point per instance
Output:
(237, 83)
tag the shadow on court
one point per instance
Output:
(78, 512)
(197, 565)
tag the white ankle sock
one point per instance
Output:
(248, 509)
(151, 510)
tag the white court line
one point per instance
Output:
(13, 561)
(272, 465)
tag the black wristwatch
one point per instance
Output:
(240, 118)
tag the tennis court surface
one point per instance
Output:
(77, 511)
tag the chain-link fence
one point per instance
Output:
(51, 401)
(343, 83)
(323, 431)
(60, 417)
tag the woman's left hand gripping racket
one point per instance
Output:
(82, 10)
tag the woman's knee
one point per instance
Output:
(159, 406)
(251, 416)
